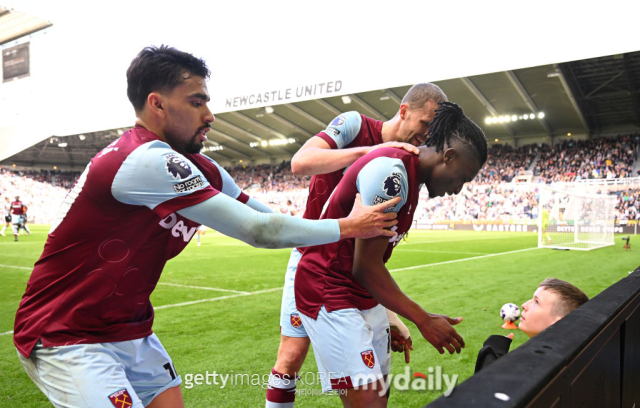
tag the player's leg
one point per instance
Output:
(15, 227)
(169, 398)
(353, 353)
(365, 396)
(368, 395)
(26, 228)
(78, 376)
(294, 345)
(7, 220)
(150, 371)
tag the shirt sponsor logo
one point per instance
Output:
(177, 167)
(391, 185)
(368, 358)
(332, 132)
(188, 185)
(339, 121)
(177, 227)
(121, 399)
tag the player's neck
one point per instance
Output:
(390, 129)
(427, 159)
(149, 125)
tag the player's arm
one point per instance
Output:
(326, 152)
(230, 188)
(317, 157)
(273, 230)
(370, 271)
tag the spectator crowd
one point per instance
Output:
(494, 195)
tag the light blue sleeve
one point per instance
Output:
(154, 173)
(234, 219)
(344, 128)
(229, 187)
(382, 179)
(258, 206)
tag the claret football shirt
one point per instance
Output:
(114, 232)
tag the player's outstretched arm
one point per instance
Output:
(272, 230)
(317, 157)
(370, 271)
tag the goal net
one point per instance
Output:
(575, 219)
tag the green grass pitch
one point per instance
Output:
(218, 306)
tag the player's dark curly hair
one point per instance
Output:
(157, 69)
(451, 125)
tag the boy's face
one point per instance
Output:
(539, 312)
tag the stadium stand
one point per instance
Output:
(603, 158)
(495, 195)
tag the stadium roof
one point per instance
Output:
(593, 96)
(15, 24)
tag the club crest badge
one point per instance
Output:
(177, 167)
(368, 358)
(121, 399)
(391, 185)
(295, 320)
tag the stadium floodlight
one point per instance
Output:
(525, 117)
(575, 219)
(494, 119)
(514, 118)
(82, 137)
(507, 118)
(501, 119)
(268, 109)
(346, 99)
(62, 144)
(540, 115)
(264, 143)
(385, 96)
(532, 116)
(487, 120)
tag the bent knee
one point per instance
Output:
(292, 354)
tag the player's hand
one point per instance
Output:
(399, 344)
(438, 330)
(369, 221)
(399, 145)
(510, 336)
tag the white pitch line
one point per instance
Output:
(216, 298)
(440, 252)
(456, 240)
(280, 288)
(460, 260)
(201, 287)
(15, 267)
(5, 333)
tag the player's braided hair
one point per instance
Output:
(451, 123)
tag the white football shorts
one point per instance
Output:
(352, 346)
(290, 323)
(126, 373)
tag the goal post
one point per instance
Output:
(575, 219)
